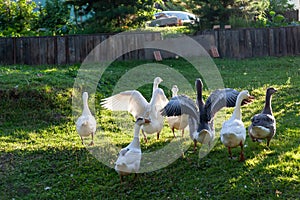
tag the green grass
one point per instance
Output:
(42, 156)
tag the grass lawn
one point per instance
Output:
(41, 155)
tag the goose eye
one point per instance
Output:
(127, 149)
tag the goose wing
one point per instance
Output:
(179, 105)
(131, 101)
(219, 99)
(129, 159)
(264, 120)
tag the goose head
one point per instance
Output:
(271, 91)
(246, 98)
(267, 108)
(174, 90)
(85, 96)
(157, 81)
(244, 95)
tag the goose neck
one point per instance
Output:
(268, 108)
(86, 109)
(237, 113)
(155, 85)
(137, 129)
(136, 138)
(199, 94)
(174, 94)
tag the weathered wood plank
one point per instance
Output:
(235, 46)
(90, 44)
(248, 44)
(43, 50)
(277, 51)
(228, 42)
(34, 51)
(51, 50)
(271, 42)
(241, 40)
(265, 42)
(258, 43)
(82, 48)
(289, 43)
(10, 51)
(61, 50)
(295, 37)
(19, 47)
(71, 50)
(77, 49)
(3, 53)
(298, 40)
(97, 41)
(26, 51)
(283, 45)
(222, 43)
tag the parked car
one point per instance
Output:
(164, 20)
(184, 17)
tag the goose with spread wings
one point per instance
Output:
(201, 115)
(136, 104)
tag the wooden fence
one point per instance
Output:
(63, 49)
(232, 43)
(247, 43)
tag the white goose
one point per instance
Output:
(86, 123)
(177, 122)
(134, 102)
(233, 132)
(129, 158)
(264, 124)
(201, 115)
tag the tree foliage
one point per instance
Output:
(54, 17)
(174, 5)
(113, 16)
(25, 18)
(238, 12)
(279, 6)
(213, 11)
(17, 18)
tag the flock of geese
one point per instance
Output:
(181, 111)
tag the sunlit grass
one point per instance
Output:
(42, 156)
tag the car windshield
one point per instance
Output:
(179, 15)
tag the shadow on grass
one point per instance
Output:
(53, 173)
(33, 109)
